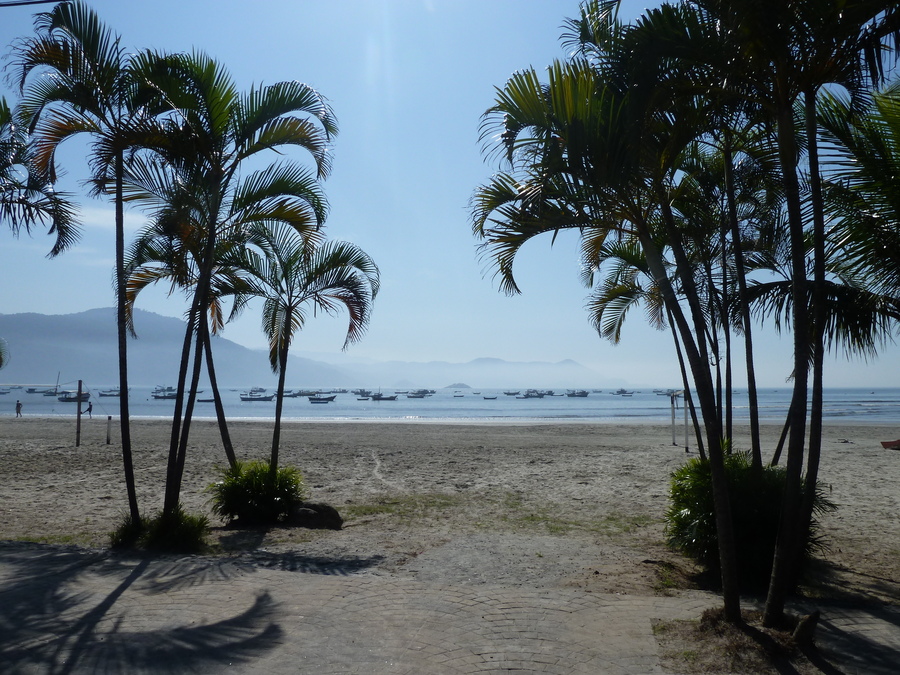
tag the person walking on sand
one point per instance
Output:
(89, 410)
(18, 408)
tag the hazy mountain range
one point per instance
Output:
(69, 347)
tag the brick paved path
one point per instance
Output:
(71, 611)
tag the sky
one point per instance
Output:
(408, 81)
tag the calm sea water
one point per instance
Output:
(880, 406)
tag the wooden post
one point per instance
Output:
(78, 422)
(672, 400)
(108, 427)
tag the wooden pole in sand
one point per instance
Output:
(108, 427)
(78, 422)
(672, 399)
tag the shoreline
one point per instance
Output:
(642, 422)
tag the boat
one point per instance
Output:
(256, 394)
(73, 396)
(490, 398)
(362, 392)
(384, 397)
(206, 400)
(512, 393)
(621, 392)
(532, 393)
(577, 393)
(109, 392)
(414, 395)
(161, 392)
(363, 398)
(321, 399)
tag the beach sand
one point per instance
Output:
(533, 504)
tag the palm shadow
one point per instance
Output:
(47, 624)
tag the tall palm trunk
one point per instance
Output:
(818, 325)
(122, 334)
(705, 389)
(279, 404)
(173, 485)
(686, 382)
(746, 323)
(181, 424)
(217, 397)
(783, 563)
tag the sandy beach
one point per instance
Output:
(537, 504)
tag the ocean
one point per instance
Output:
(869, 406)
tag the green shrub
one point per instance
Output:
(247, 493)
(127, 534)
(179, 532)
(755, 508)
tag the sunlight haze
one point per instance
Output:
(408, 81)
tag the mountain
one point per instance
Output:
(83, 346)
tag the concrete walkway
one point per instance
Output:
(66, 610)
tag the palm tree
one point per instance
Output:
(295, 276)
(27, 197)
(76, 78)
(191, 177)
(595, 149)
(818, 42)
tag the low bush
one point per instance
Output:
(755, 509)
(246, 493)
(179, 532)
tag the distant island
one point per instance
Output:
(458, 385)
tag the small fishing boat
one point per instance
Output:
(490, 398)
(110, 392)
(384, 397)
(256, 396)
(73, 396)
(577, 393)
(321, 399)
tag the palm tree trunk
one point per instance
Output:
(189, 410)
(746, 323)
(122, 333)
(173, 486)
(783, 564)
(818, 327)
(217, 398)
(279, 403)
(688, 399)
(699, 363)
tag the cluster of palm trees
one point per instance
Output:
(171, 134)
(725, 162)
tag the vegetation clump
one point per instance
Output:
(249, 493)
(175, 532)
(755, 496)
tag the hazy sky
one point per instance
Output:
(408, 80)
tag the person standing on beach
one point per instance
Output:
(18, 408)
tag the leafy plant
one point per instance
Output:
(248, 493)
(755, 509)
(178, 532)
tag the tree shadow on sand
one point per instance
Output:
(69, 610)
